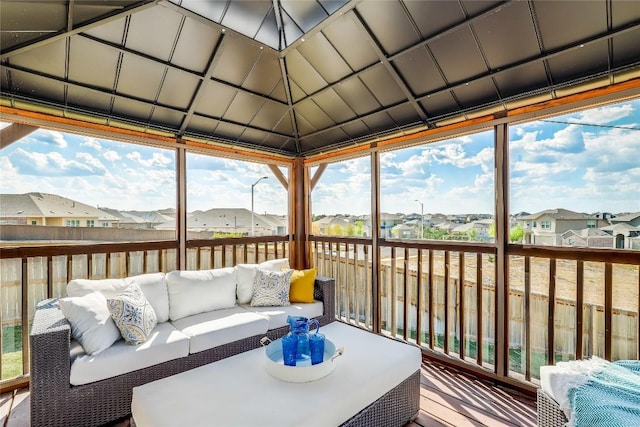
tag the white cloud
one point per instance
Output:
(157, 159)
(58, 138)
(94, 164)
(92, 143)
(604, 115)
(111, 155)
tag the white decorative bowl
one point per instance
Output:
(298, 374)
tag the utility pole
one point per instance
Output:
(421, 218)
(252, 187)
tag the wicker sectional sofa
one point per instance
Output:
(55, 401)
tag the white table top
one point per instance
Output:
(238, 391)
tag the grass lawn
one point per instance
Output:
(11, 364)
(11, 351)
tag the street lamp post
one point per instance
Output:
(421, 218)
(252, 187)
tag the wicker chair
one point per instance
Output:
(55, 402)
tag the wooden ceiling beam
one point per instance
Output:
(15, 132)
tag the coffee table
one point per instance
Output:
(376, 382)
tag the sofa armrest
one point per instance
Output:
(50, 341)
(325, 291)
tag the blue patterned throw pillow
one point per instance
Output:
(271, 288)
(133, 315)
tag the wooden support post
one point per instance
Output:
(300, 215)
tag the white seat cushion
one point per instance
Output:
(278, 315)
(165, 343)
(219, 327)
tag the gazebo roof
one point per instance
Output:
(299, 78)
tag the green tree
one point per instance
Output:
(517, 233)
(492, 230)
(335, 230)
(350, 230)
(473, 234)
(358, 228)
(434, 233)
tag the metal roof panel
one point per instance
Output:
(158, 24)
(92, 63)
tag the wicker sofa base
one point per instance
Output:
(549, 413)
(396, 408)
(55, 402)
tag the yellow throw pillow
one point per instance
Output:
(302, 285)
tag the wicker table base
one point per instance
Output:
(549, 413)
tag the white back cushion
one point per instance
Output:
(154, 288)
(110, 288)
(246, 274)
(192, 292)
(153, 285)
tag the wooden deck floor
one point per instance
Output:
(447, 398)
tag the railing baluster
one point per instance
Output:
(50, 290)
(127, 263)
(420, 292)
(580, 309)
(345, 281)
(479, 310)
(527, 317)
(356, 280)
(405, 289)
(368, 290)
(430, 304)
(551, 330)
(608, 310)
(25, 315)
(446, 301)
(461, 306)
(393, 296)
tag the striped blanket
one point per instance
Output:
(609, 397)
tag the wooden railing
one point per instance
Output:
(30, 274)
(445, 294)
(560, 303)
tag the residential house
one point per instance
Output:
(387, 222)
(632, 218)
(51, 210)
(626, 235)
(405, 231)
(476, 230)
(588, 237)
(546, 227)
(231, 221)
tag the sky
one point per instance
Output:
(558, 162)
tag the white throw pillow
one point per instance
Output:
(271, 288)
(246, 274)
(154, 288)
(133, 315)
(107, 287)
(193, 292)
(91, 322)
